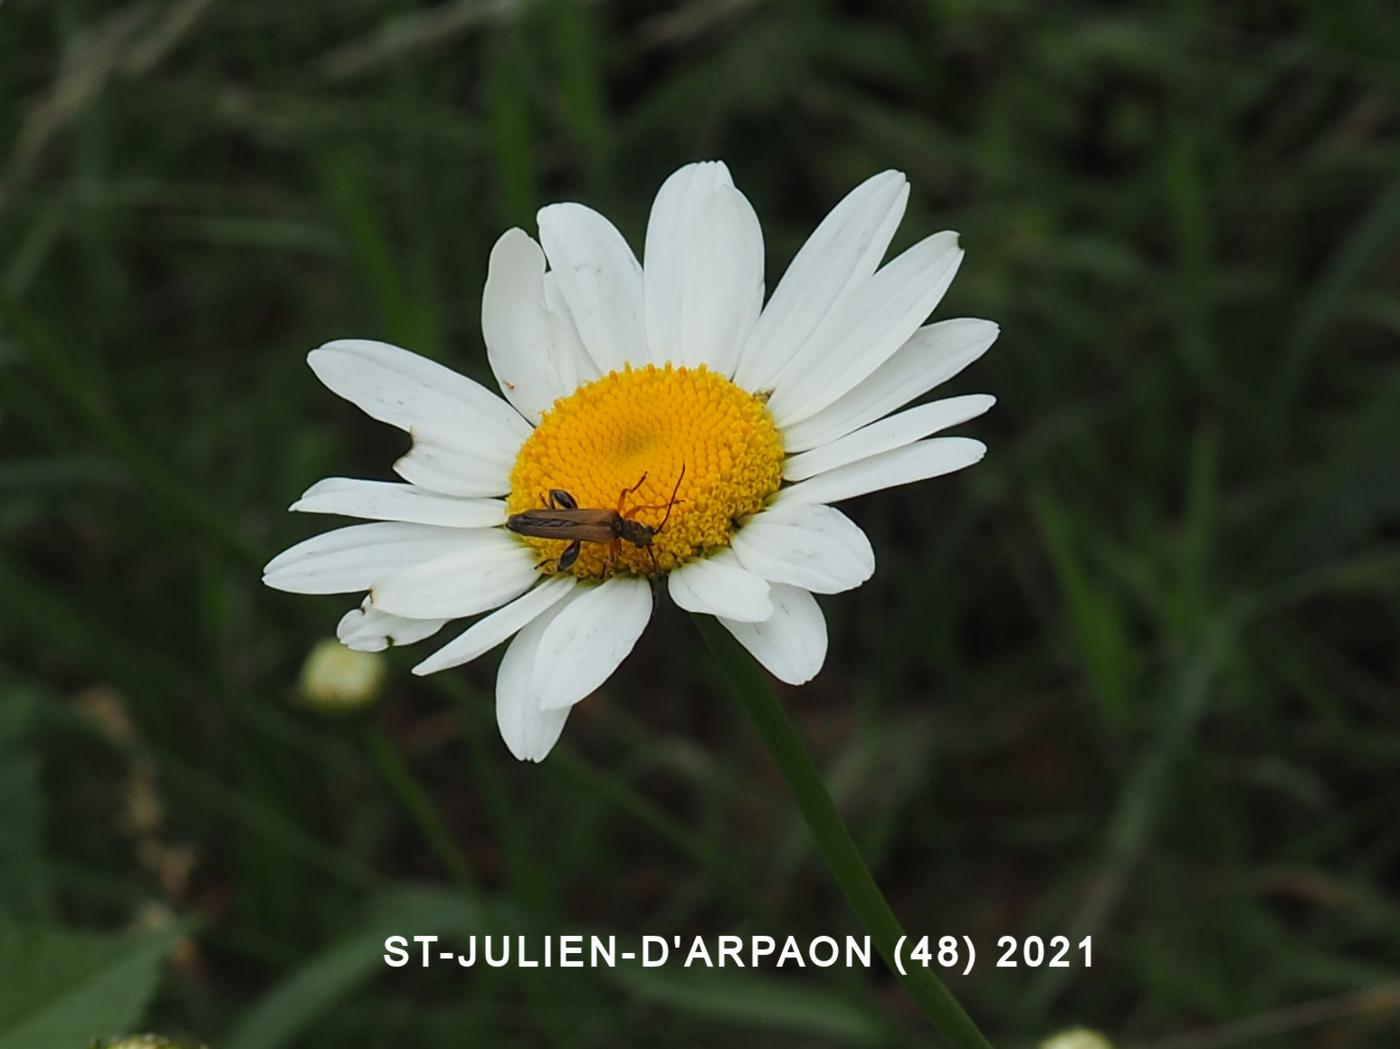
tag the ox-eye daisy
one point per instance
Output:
(742, 420)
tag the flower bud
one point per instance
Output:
(1077, 1038)
(337, 678)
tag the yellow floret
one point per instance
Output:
(653, 420)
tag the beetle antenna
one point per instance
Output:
(674, 492)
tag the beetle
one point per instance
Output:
(561, 518)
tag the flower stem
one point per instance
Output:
(750, 687)
(419, 806)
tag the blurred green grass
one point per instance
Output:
(1136, 674)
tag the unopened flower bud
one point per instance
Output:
(1077, 1038)
(337, 678)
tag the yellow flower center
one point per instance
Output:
(647, 425)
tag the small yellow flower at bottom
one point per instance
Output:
(142, 1041)
(337, 678)
(1077, 1038)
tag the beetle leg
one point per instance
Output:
(622, 496)
(667, 506)
(569, 556)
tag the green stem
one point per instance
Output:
(750, 687)
(429, 822)
(419, 806)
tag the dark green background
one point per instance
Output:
(1135, 674)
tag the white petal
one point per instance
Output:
(387, 501)
(720, 586)
(589, 638)
(892, 432)
(529, 731)
(600, 282)
(572, 360)
(704, 269)
(517, 326)
(366, 629)
(433, 403)
(724, 291)
(349, 559)
(914, 462)
(671, 227)
(450, 471)
(492, 568)
(865, 328)
(489, 631)
(840, 254)
(815, 547)
(933, 354)
(792, 644)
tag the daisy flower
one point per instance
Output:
(709, 433)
